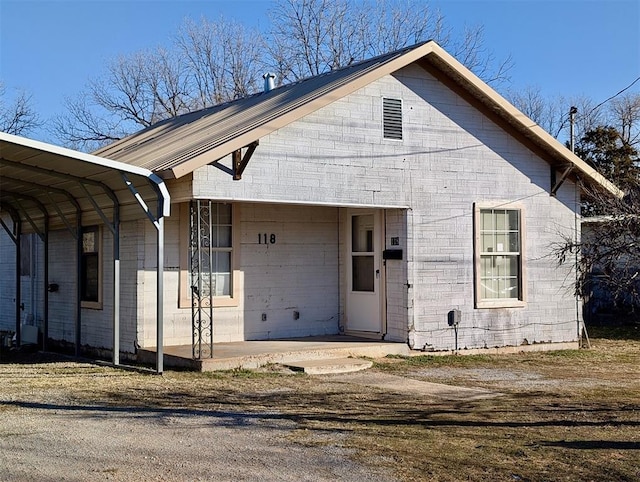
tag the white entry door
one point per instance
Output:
(364, 272)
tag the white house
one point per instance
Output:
(399, 198)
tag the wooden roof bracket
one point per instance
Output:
(557, 182)
(240, 162)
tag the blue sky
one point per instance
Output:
(51, 48)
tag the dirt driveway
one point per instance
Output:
(47, 433)
(570, 416)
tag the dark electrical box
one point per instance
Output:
(453, 317)
(392, 254)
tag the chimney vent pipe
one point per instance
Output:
(269, 81)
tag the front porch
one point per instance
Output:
(253, 354)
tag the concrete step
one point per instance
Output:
(329, 365)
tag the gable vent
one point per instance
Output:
(392, 118)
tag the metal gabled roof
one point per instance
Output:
(176, 147)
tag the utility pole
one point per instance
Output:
(572, 120)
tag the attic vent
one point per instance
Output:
(392, 118)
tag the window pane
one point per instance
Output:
(513, 266)
(362, 233)
(89, 266)
(223, 284)
(363, 274)
(514, 244)
(224, 214)
(512, 288)
(501, 242)
(486, 266)
(488, 243)
(501, 220)
(222, 262)
(89, 242)
(489, 288)
(486, 220)
(223, 236)
(514, 224)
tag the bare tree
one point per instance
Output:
(211, 62)
(625, 111)
(609, 252)
(85, 127)
(309, 37)
(17, 115)
(223, 60)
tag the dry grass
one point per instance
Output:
(572, 415)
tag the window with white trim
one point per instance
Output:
(216, 268)
(216, 224)
(499, 270)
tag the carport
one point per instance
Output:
(45, 187)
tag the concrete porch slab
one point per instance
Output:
(254, 354)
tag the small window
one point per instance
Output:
(25, 255)
(392, 118)
(91, 267)
(215, 248)
(499, 270)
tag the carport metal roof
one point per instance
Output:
(47, 187)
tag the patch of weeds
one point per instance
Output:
(446, 360)
(629, 331)
(569, 354)
(239, 372)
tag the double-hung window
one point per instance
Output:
(208, 256)
(499, 267)
(215, 246)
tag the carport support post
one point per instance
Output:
(45, 329)
(18, 287)
(159, 294)
(116, 292)
(78, 284)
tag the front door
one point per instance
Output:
(364, 272)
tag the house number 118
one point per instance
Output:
(264, 238)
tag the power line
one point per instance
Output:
(615, 95)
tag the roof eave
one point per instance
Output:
(447, 64)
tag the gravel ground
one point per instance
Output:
(52, 441)
(47, 435)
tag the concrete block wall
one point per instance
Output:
(396, 276)
(298, 273)
(451, 157)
